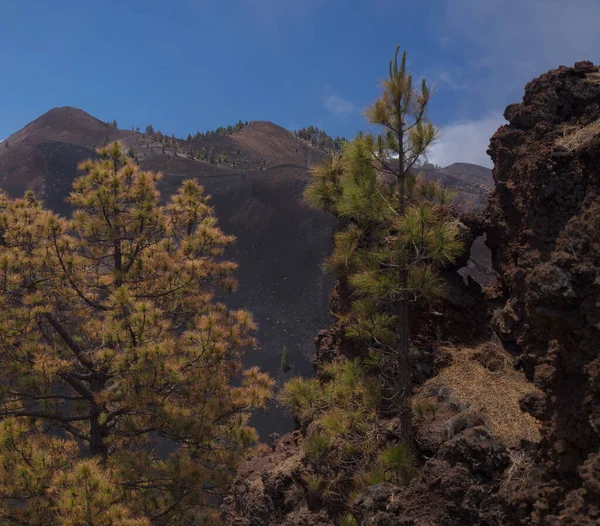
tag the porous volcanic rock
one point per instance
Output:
(543, 227)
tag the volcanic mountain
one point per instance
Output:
(256, 189)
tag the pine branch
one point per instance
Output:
(79, 354)
(56, 417)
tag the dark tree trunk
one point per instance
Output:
(98, 431)
(404, 381)
(98, 434)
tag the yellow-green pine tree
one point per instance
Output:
(398, 228)
(116, 361)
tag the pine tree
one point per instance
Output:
(285, 360)
(399, 229)
(116, 363)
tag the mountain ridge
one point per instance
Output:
(256, 183)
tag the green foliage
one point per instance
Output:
(339, 416)
(335, 422)
(340, 405)
(304, 398)
(425, 408)
(348, 520)
(219, 132)
(367, 322)
(345, 247)
(398, 459)
(316, 446)
(398, 228)
(319, 139)
(314, 483)
(375, 475)
(285, 362)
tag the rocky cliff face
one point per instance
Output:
(543, 226)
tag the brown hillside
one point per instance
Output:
(66, 124)
(276, 144)
(473, 182)
(257, 194)
(281, 242)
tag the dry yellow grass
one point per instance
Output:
(594, 77)
(494, 395)
(577, 137)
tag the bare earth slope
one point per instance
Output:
(281, 242)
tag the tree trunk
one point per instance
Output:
(98, 431)
(98, 434)
(404, 381)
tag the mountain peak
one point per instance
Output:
(66, 124)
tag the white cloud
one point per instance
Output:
(466, 141)
(510, 42)
(338, 105)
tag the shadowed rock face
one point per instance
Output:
(543, 226)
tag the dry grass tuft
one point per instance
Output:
(594, 77)
(578, 137)
(489, 390)
(519, 476)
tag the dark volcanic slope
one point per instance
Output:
(66, 124)
(257, 195)
(280, 249)
(281, 242)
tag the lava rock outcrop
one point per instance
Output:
(543, 227)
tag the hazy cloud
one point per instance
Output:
(514, 41)
(466, 141)
(338, 105)
(509, 43)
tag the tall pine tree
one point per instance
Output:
(116, 361)
(398, 229)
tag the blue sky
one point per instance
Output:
(187, 65)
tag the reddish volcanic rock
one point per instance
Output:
(543, 226)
